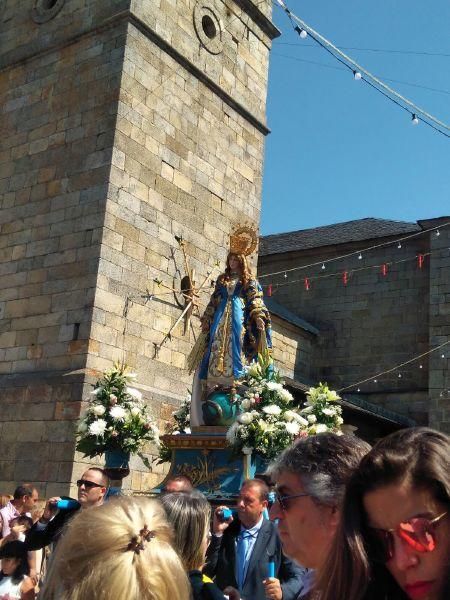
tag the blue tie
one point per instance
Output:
(241, 555)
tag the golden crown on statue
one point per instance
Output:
(243, 240)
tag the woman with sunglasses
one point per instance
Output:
(394, 538)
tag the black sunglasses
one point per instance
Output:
(284, 501)
(88, 484)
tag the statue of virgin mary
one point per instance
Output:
(235, 327)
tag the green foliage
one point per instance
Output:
(116, 418)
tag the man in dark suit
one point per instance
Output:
(241, 550)
(91, 491)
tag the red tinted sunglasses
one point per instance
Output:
(418, 533)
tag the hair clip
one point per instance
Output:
(137, 541)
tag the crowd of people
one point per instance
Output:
(348, 522)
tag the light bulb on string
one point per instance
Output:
(357, 75)
(360, 256)
(399, 375)
(323, 266)
(442, 355)
(414, 119)
(438, 233)
(420, 366)
(399, 245)
(285, 275)
(375, 380)
(358, 390)
(301, 32)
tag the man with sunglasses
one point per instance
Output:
(92, 488)
(310, 479)
(242, 547)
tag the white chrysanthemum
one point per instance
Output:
(246, 403)
(97, 427)
(339, 420)
(274, 386)
(272, 409)
(330, 412)
(96, 391)
(134, 393)
(245, 418)
(321, 428)
(285, 395)
(118, 413)
(332, 396)
(135, 411)
(293, 428)
(98, 409)
(312, 419)
(307, 410)
(232, 433)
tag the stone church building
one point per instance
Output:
(127, 124)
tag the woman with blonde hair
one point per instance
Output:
(393, 542)
(120, 550)
(190, 515)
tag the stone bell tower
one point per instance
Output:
(125, 123)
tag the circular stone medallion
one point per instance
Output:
(208, 26)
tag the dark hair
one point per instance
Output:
(104, 474)
(16, 549)
(184, 479)
(22, 520)
(262, 486)
(324, 463)
(23, 490)
(418, 455)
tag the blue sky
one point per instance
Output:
(340, 151)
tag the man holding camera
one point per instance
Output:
(92, 488)
(245, 552)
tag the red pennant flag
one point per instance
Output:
(307, 284)
(345, 277)
(269, 289)
(420, 260)
(384, 269)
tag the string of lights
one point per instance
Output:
(362, 251)
(383, 268)
(381, 50)
(374, 378)
(342, 70)
(361, 74)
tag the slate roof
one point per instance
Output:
(280, 311)
(330, 235)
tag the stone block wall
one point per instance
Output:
(122, 131)
(439, 361)
(369, 325)
(292, 350)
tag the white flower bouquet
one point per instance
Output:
(180, 424)
(270, 422)
(322, 411)
(117, 418)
